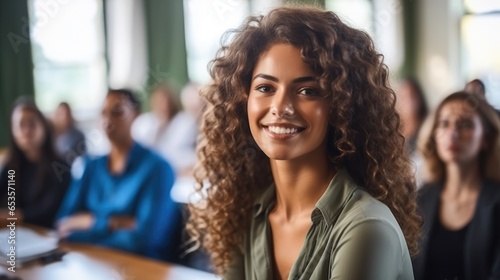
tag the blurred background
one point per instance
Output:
(72, 51)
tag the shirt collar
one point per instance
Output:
(328, 206)
(132, 157)
(336, 195)
(265, 200)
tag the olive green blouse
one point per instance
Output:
(353, 236)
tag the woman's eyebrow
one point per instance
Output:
(267, 77)
(274, 79)
(304, 79)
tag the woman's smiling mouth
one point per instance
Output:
(282, 131)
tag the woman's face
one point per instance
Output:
(459, 133)
(160, 103)
(287, 112)
(117, 115)
(28, 129)
(62, 118)
(408, 103)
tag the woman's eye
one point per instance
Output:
(309, 91)
(117, 112)
(466, 124)
(442, 124)
(265, 89)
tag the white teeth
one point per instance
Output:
(282, 130)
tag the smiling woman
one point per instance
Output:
(285, 103)
(303, 172)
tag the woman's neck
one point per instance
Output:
(59, 130)
(163, 118)
(299, 185)
(462, 177)
(33, 155)
(118, 156)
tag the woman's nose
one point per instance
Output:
(454, 132)
(282, 104)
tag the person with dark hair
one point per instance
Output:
(460, 203)
(476, 86)
(174, 135)
(412, 108)
(70, 141)
(119, 198)
(41, 177)
(152, 129)
(303, 173)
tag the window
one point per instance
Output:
(68, 54)
(480, 45)
(381, 19)
(206, 22)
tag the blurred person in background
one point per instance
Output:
(70, 141)
(476, 86)
(412, 108)
(41, 177)
(119, 198)
(183, 134)
(180, 139)
(460, 204)
(150, 128)
(170, 132)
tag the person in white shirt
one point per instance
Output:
(170, 132)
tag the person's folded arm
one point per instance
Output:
(74, 200)
(151, 199)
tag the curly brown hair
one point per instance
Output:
(488, 160)
(363, 135)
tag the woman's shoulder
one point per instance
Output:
(357, 205)
(491, 192)
(492, 185)
(428, 191)
(87, 164)
(150, 158)
(362, 209)
(363, 206)
(364, 214)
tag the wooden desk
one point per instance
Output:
(89, 262)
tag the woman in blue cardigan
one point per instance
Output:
(122, 200)
(461, 204)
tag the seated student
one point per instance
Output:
(476, 86)
(180, 138)
(39, 177)
(460, 205)
(412, 109)
(121, 196)
(150, 128)
(69, 141)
